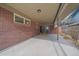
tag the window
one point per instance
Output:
(75, 16)
(72, 18)
(27, 21)
(20, 19)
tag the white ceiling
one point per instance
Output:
(48, 11)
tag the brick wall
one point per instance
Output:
(12, 33)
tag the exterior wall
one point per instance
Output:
(12, 33)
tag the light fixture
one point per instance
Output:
(38, 10)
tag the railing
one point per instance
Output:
(73, 31)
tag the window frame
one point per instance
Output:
(24, 19)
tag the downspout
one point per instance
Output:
(58, 10)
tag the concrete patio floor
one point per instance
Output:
(42, 45)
